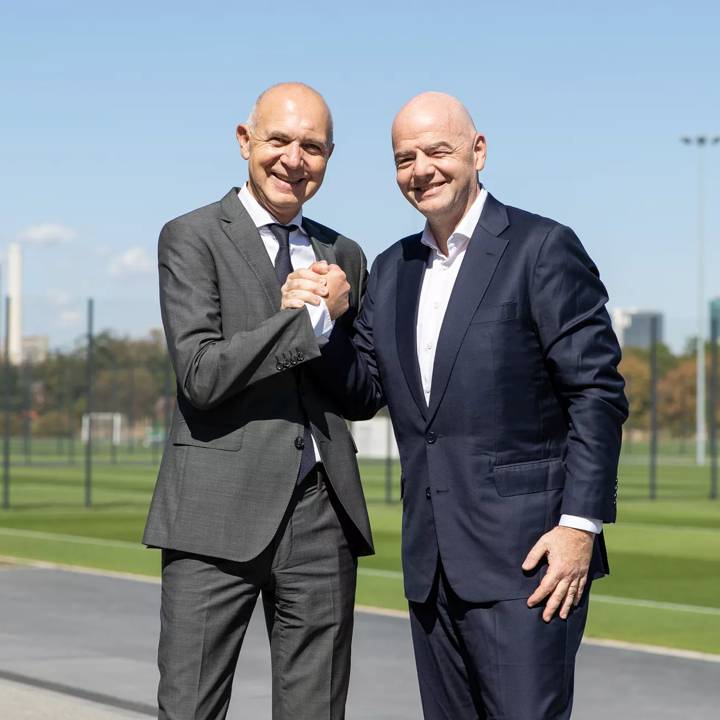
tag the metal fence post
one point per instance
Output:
(68, 396)
(714, 332)
(89, 404)
(27, 412)
(113, 409)
(131, 407)
(653, 406)
(6, 408)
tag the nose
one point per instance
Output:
(293, 156)
(422, 167)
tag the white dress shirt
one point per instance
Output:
(437, 285)
(301, 253)
(301, 256)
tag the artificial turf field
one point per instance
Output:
(664, 554)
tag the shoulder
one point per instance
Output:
(530, 223)
(343, 245)
(194, 220)
(534, 234)
(407, 248)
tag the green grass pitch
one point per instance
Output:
(665, 554)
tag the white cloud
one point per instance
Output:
(70, 318)
(134, 261)
(59, 298)
(47, 234)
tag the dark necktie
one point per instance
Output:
(283, 267)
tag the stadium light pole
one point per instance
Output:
(701, 142)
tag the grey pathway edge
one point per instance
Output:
(94, 637)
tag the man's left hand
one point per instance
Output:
(568, 553)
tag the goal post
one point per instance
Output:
(105, 426)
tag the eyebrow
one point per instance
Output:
(284, 137)
(441, 145)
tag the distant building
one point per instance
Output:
(633, 327)
(35, 348)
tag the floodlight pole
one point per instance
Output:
(89, 369)
(701, 142)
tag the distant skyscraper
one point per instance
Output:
(633, 327)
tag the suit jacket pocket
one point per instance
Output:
(218, 437)
(529, 477)
(495, 313)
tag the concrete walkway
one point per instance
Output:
(82, 646)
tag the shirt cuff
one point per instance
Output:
(320, 319)
(592, 525)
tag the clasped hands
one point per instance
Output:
(321, 281)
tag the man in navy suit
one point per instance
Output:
(487, 336)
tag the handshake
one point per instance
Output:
(320, 281)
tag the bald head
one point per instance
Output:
(292, 95)
(438, 154)
(434, 109)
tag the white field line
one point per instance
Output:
(370, 572)
(652, 649)
(370, 610)
(665, 528)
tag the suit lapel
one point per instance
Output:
(323, 249)
(481, 259)
(239, 227)
(409, 280)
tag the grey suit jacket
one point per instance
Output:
(231, 461)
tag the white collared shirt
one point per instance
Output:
(301, 256)
(438, 281)
(301, 253)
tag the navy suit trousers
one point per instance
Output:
(493, 661)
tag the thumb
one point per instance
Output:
(536, 554)
(320, 267)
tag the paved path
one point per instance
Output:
(82, 647)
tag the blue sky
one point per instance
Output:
(117, 117)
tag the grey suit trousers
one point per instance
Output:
(307, 579)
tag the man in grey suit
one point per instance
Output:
(258, 492)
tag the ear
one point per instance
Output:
(330, 151)
(242, 133)
(480, 151)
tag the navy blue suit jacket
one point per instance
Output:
(526, 406)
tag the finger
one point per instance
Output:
(292, 304)
(320, 266)
(548, 584)
(305, 296)
(303, 284)
(580, 590)
(555, 600)
(536, 554)
(307, 274)
(568, 602)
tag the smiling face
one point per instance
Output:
(438, 154)
(287, 144)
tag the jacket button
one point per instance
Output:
(299, 443)
(430, 438)
(428, 493)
